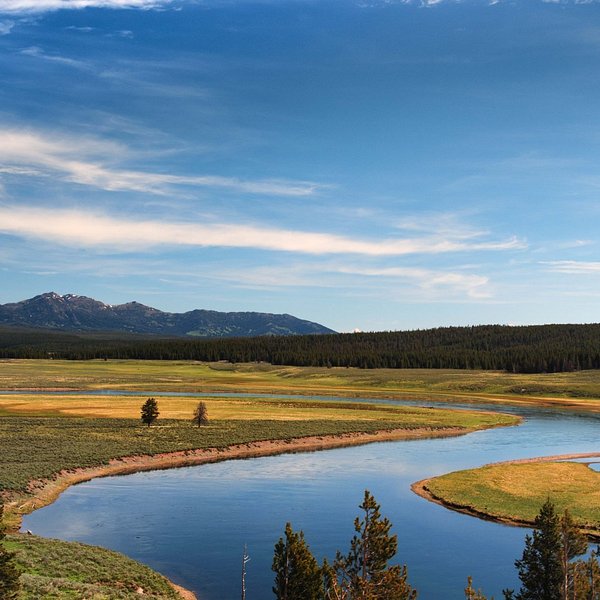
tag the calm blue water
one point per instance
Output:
(192, 523)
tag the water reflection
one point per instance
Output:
(192, 523)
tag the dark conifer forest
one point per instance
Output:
(526, 349)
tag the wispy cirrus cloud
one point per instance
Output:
(573, 266)
(37, 52)
(97, 230)
(474, 286)
(441, 223)
(95, 163)
(430, 284)
(37, 6)
(84, 29)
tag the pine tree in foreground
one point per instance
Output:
(297, 573)
(572, 544)
(363, 573)
(539, 568)
(546, 569)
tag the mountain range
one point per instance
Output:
(80, 313)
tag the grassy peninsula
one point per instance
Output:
(513, 492)
(39, 443)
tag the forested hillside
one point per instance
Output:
(530, 349)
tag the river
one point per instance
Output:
(192, 523)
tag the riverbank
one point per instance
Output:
(511, 492)
(46, 449)
(48, 490)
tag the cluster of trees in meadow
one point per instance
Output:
(528, 349)
(149, 413)
(549, 568)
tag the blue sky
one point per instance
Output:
(371, 164)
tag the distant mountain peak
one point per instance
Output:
(72, 312)
(47, 296)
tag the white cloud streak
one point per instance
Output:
(430, 284)
(94, 230)
(475, 286)
(37, 52)
(86, 162)
(573, 267)
(37, 6)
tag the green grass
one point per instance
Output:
(262, 377)
(39, 447)
(516, 491)
(68, 570)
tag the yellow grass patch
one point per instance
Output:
(169, 407)
(221, 408)
(515, 491)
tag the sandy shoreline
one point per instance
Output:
(47, 491)
(420, 488)
(185, 594)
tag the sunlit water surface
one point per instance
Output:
(192, 523)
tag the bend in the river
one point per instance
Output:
(192, 523)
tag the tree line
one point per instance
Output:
(526, 349)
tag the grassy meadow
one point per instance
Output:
(579, 389)
(37, 447)
(515, 491)
(42, 435)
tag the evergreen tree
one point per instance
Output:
(297, 573)
(573, 543)
(586, 578)
(150, 411)
(9, 574)
(200, 414)
(540, 569)
(363, 574)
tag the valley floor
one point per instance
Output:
(61, 439)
